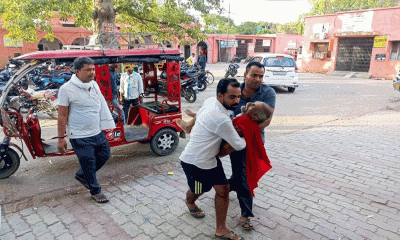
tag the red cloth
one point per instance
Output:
(257, 161)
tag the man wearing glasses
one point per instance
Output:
(131, 88)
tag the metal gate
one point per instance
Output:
(242, 48)
(354, 54)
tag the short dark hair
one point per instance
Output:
(258, 64)
(81, 61)
(223, 84)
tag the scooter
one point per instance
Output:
(231, 70)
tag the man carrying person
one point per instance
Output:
(131, 88)
(84, 110)
(114, 88)
(199, 160)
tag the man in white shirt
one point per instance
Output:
(131, 86)
(199, 160)
(84, 110)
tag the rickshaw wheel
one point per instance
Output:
(164, 142)
(9, 164)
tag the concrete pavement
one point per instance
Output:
(336, 180)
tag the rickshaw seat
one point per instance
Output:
(155, 107)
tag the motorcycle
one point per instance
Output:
(188, 89)
(232, 70)
(45, 100)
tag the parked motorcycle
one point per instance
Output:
(188, 89)
(232, 70)
(46, 100)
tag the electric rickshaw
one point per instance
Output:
(152, 121)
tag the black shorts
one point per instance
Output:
(202, 180)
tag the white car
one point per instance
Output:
(280, 70)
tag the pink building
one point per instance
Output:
(222, 48)
(354, 41)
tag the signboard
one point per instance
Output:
(357, 22)
(380, 41)
(231, 44)
(108, 27)
(266, 43)
(380, 57)
(7, 43)
(292, 44)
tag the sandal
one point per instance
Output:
(82, 181)
(197, 213)
(100, 198)
(246, 224)
(229, 236)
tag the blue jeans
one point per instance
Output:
(238, 183)
(115, 103)
(127, 104)
(93, 153)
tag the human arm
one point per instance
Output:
(226, 148)
(62, 127)
(122, 87)
(230, 135)
(63, 111)
(140, 88)
(270, 99)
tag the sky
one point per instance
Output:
(280, 11)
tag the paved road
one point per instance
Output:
(334, 177)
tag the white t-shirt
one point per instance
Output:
(131, 86)
(212, 125)
(84, 110)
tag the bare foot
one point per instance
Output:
(190, 113)
(184, 125)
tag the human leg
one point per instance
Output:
(186, 126)
(125, 108)
(238, 183)
(85, 151)
(102, 150)
(115, 103)
(196, 189)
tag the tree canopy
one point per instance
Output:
(170, 18)
(320, 7)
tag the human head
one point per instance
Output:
(129, 69)
(84, 69)
(257, 111)
(114, 66)
(253, 76)
(193, 54)
(228, 93)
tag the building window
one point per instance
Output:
(261, 46)
(321, 51)
(395, 53)
(68, 25)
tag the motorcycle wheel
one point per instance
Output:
(226, 75)
(9, 164)
(210, 78)
(202, 86)
(190, 95)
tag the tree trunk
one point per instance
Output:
(104, 15)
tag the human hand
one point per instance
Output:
(239, 131)
(225, 149)
(62, 145)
